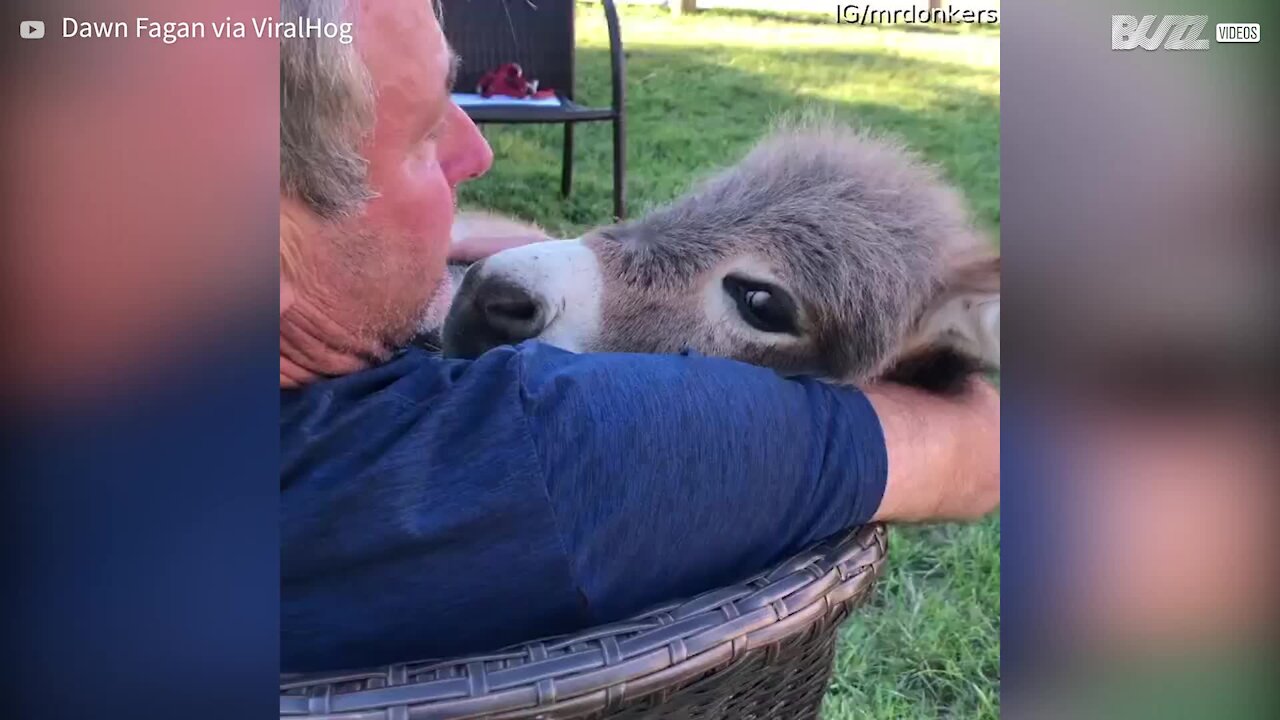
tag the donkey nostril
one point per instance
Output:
(515, 310)
(491, 310)
(509, 312)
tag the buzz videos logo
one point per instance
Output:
(1176, 32)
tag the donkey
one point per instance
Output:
(826, 251)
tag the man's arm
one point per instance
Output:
(670, 476)
(944, 452)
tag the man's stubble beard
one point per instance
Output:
(437, 309)
(390, 288)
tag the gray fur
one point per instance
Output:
(863, 235)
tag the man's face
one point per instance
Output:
(386, 269)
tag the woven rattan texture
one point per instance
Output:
(760, 650)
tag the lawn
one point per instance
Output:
(701, 90)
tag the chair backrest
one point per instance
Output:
(537, 34)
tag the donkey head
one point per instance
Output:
(824, 252)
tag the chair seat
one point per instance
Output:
(540, 38)
(565, 111)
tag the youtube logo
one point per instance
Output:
(31, 29)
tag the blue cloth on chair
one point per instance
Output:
(437, 507)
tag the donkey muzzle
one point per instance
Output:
(490, 310)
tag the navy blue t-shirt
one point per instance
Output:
(436, 507)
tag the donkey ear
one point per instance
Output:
(959, 333)
(965, 314)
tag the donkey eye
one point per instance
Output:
(763, 306)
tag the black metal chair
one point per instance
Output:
(762, 649)
(539, 35)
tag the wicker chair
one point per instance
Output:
(539, 35)
(761, 650)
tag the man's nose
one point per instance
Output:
(488, 311)
(467, 154)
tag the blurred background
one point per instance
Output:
(1134, 202)
(139, 212)
(1139, 474)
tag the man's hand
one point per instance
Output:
(475, 249)
(477, 235)
(944, 452)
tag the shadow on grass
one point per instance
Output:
(979, 29)
(800, 17)
(692, 110)
(807, 17)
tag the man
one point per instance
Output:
(434, 507)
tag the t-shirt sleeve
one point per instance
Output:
(671, 475)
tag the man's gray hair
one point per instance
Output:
(326, 110)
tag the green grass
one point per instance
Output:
(701, 90)
(928, 646)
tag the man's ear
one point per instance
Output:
(959, 332)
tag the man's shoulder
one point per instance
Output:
(415, 375)
(414, 416)
(507, 384)
(541, 365)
